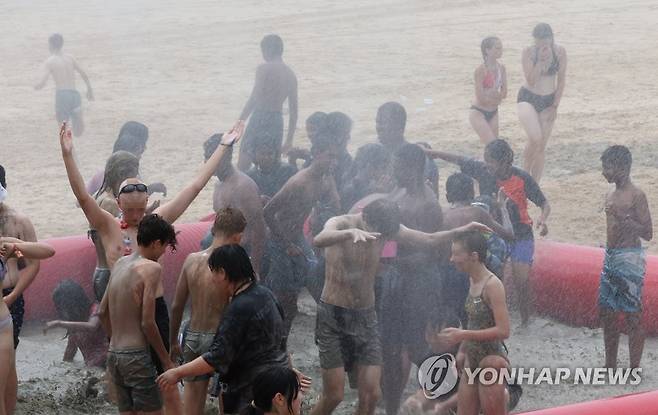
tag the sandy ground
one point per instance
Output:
(185, 69)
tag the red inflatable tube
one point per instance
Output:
(636, 404)
(565, 281)
(76, 259)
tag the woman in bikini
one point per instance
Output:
(490, 90)
(11, 248)
(544, 67)
(488, 325)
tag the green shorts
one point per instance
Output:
(133, 373)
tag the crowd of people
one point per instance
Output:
(396, 276)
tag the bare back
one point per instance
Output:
(239, 192)
(207, 301)
(275, 82)
(124, 295)
(351, 269)
(419, 212)
(62, 69)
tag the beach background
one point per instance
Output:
(185, 69)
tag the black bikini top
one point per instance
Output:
(555, 64)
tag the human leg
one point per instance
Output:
(481, 126)
(531, 125)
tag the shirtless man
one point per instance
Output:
(235, 189)
(129, 318)
(15, 225)
(628, 221)
(67, 98)
(403, 321)
(275, 83)
(207, 303)
(116, 235)
(346, 312)
(290, 254)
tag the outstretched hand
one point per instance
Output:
(305, 382)
(478, 227)
(359, 235)
(65, 139)
(234, 134)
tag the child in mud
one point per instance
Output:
(79, 316)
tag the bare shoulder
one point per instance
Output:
(246, 182)
(639, 194)
(479, 70)
(148, 269)
(561, 51)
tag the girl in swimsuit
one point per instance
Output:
(490, 90)
(544, 67)
(488, 325)
(12, 248)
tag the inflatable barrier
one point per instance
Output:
(636, 404)
(76, 259)
(565, 282)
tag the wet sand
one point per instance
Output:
(185, 69)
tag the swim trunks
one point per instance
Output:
(133, 374)
(347, 338)
(289, 273)
(67, 101)
(488, 115)
(196, 344)
(522, 251)
(622, 279)
(17, 310)
(262, 125)
(539, 102)
(100, 280)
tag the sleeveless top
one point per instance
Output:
(480, 317)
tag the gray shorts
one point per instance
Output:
(133, 373)
(196, 344)
(347, 338)
(67, 101)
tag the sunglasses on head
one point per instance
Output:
(138, 187)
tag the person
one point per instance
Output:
(472, 167)
(13, 249)
(117, 235)
(347, 328)
(488, 326)
(207, 304)
(407, 285)
(291, 257)
(62, 68)
(339, 126)
(314, 124)
(276, 391)
(269, 172)
(132, 138)
(490, 80)
(18, 278)
(79, 317)
(120, 166)
(275, 83)
(497, 172)
(628, 221)
(129, 313)
(366, 175)
(460, 193)
(250, 338)
(236, 189)
(544, 68)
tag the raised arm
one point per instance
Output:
(151, 274)
(173, 209)
(85, 78)
(292, 120)
(32, 264)
(449, 157)
(280, 202)
(436, 239)
(336, 231)
(97, 217)
(506, 231)
(11, 247)
(177, 308)
(531, 70)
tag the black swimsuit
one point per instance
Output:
(540, 102)
(488, 115)
(162, 321)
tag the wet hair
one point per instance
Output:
(71, 301)
(235, 262)
(542, 31)
(317, 122)
(459, 188)
(413, 158)
(338, 125)
(322, 142)
(500, 151)
(132, 138)
(371, 154)
(211, 144)
(136, 129)
(395, 113)
(618, 156)
(3, 178)
(120, 166)
(487, 43)
(473, 241)
(267, 384)
(228, 222)
(153, 228)
(272, 47)
(56, 41)
(383, 216)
